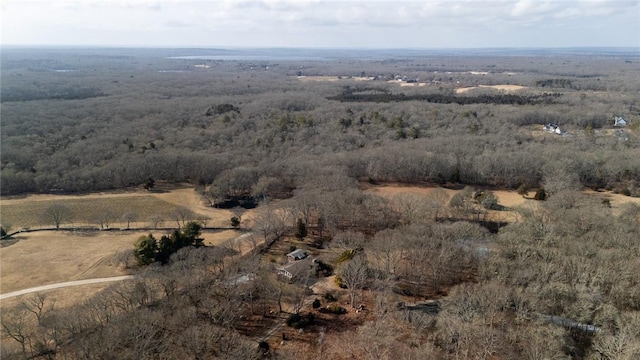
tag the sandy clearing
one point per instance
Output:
(505, 197)
(508, 198)
(497, 87)
(334, 78)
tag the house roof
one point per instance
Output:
(298, 254)
(619, 121)
(299, 267)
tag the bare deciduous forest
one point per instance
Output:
(298, 137)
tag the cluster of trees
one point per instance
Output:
(349, 95)
(148, 250)
(56, 93)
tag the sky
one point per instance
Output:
(322, 23)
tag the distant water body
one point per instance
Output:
(383, 54)
(253, 57)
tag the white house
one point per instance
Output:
(553, 128)
(620, 122)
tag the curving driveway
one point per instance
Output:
(64, 284)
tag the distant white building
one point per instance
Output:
(553, 128)
(618, 121)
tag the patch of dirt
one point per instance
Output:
(503, 87)
(332, 78)
(325, 323)
(508, 198)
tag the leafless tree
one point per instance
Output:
(16, 325)
(411, 207)
(130, 217)
(58, 213)
(105, 218)
(354, 274)
(39, 305)
(155, 221)
(181, 215)
(387, 250)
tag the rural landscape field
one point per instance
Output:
(207, 203)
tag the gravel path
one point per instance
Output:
(64, 284)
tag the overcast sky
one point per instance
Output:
(322, 23)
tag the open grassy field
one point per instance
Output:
(507, 198)
(50, 257)
(148, 208)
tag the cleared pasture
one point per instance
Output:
(148, 209)
(49, 257)
(507, 198)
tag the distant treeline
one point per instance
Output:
(351, 95)
(53, 93)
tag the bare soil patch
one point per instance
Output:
(503, 87)
(332, 78)
(506, 198)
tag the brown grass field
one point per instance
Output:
(42, 258)
(29, 211)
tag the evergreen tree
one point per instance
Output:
(145, 249)
(301, 229)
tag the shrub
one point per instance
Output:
(323, 269)
(316, 303)
(347, 255)
(264, 347)
(235, 222)
(334, 309)
(489, 201)
(298, 321)
(540, 195)
(523, 189)
(329, 297)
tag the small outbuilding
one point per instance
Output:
(297, 254)
(619, 121)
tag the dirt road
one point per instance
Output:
(62, 285)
